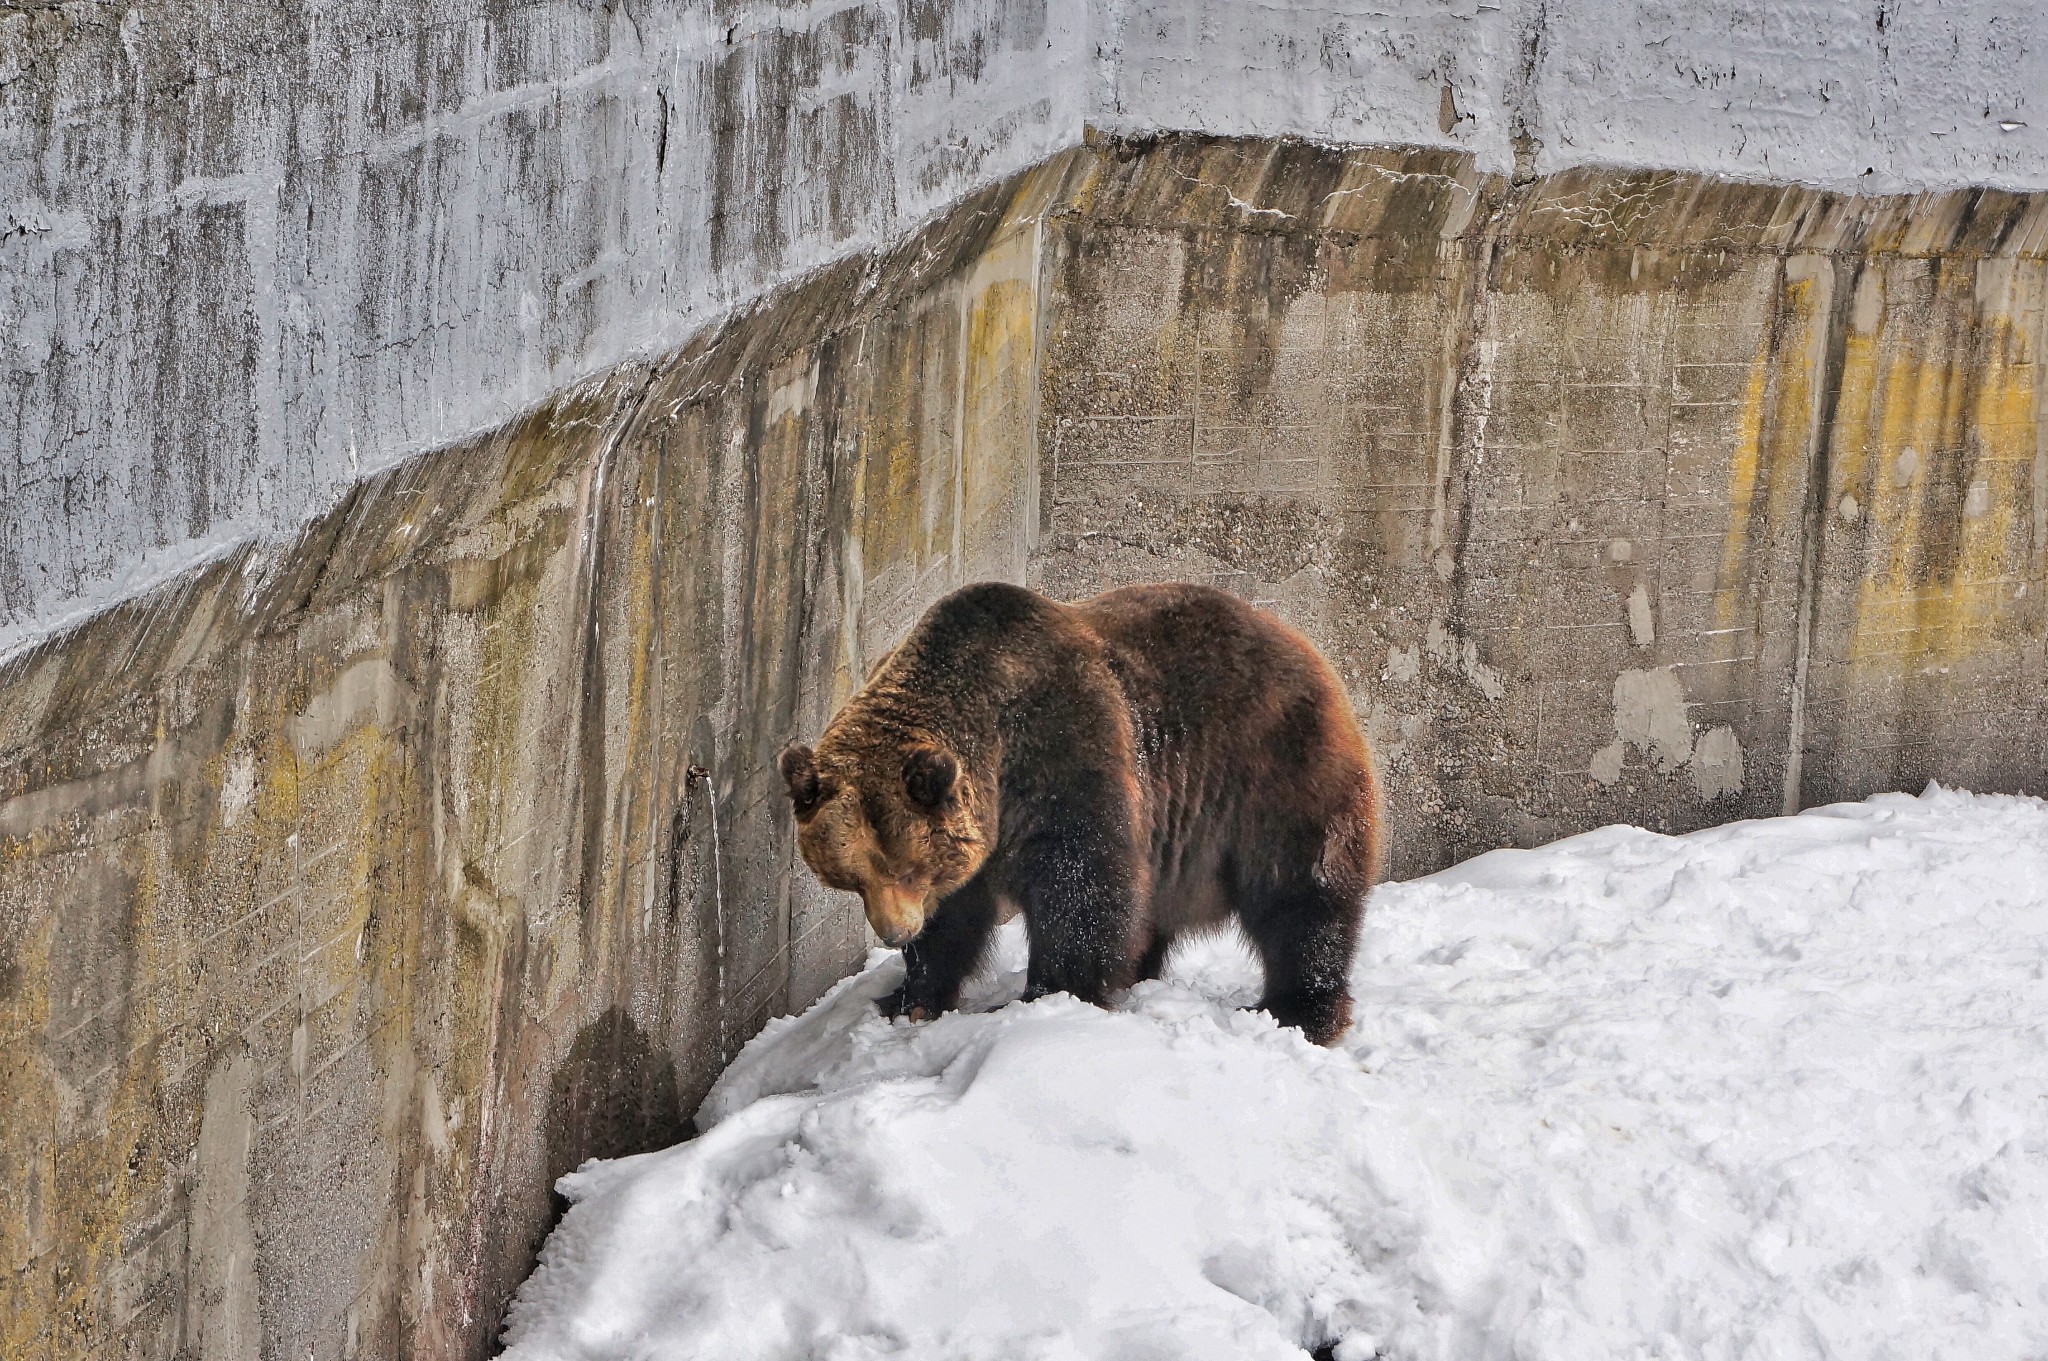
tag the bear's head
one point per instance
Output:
(898, 823)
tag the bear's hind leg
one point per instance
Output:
(945, 952)
(1304, 935)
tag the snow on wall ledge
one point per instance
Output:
(250, 254)
(1882, 96)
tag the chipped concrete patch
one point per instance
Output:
(1461, 654)
(237, 787)
(1392, 736)
(221, 1292)
(1717, 763)
(1649, 713)
(1977, 504)
(1642, 628)
(370, 688)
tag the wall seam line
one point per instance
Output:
(1813, 521)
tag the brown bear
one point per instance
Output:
(1153, 760)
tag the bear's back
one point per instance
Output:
(1244, 730)
(1195, 656)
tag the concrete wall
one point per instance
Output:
(251, 253)
(1875, 97)
(363, 416)
(1617, 496)
(352, 891)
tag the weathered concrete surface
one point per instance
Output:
(1616, 496)
(251, 252)
(351, 890)
(1870, 97)
(351, 893)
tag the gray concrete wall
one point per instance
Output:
(251, 253)
(353, 890)
(1617, 496)
(1868, 97)
(353, 887)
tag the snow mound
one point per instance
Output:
(1775, 1089)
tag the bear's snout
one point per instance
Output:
(896, 913)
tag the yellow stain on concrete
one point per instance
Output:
(998, 381)
(849, 666)
(905, 508)
(643, 691)
(1854, 400)
(1772, 428)
(27, 1149)
(104, 1169)
(1939, 455)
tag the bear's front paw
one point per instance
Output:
(905, 1002)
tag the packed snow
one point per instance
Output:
(1777, 1089)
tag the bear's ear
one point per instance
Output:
(928, 776)
(800, 773)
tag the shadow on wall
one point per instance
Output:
(616, 1093)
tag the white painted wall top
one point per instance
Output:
(251, 253)
(1873, 95)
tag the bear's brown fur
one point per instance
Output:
(1153, 760)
